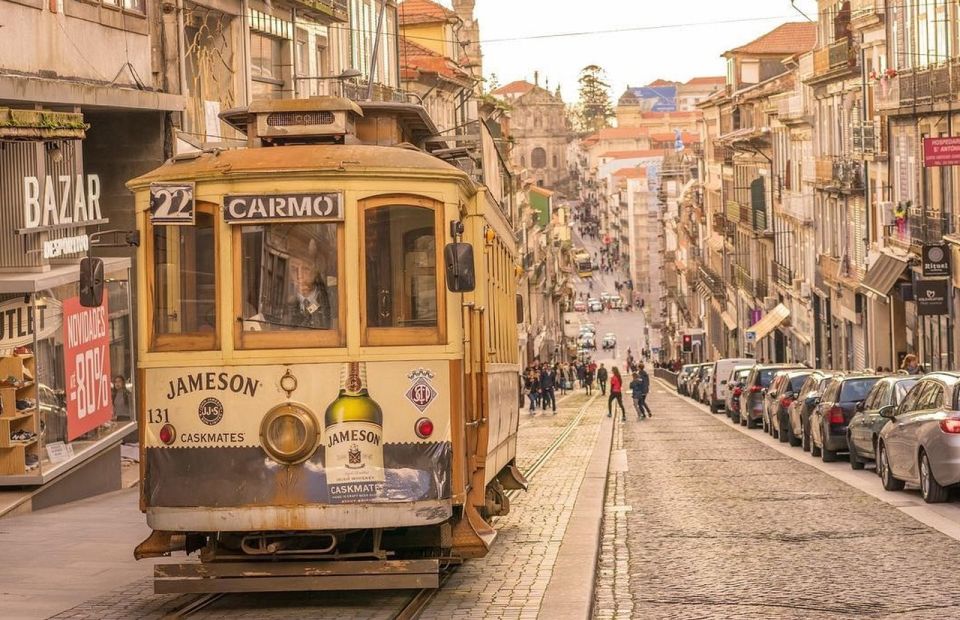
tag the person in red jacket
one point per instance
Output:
(616, 394)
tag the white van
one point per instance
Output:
(722, 369)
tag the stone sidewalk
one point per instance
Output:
(707, 522)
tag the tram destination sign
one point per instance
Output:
(283, 207)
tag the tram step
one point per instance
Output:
(295, 576)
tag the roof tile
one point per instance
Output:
(786, 39)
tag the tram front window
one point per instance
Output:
(400, 244)
(290, 283)
(184, 285)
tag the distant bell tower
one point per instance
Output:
(469, 33)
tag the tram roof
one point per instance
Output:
(297, 159)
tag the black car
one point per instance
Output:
(864, 428)
(837, 406)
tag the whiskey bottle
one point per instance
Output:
(353, 440)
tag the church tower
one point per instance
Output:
(469, 35)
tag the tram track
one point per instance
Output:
(420, 600)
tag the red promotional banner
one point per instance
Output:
(86, 357)
(941, 151)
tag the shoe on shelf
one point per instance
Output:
(26, 404)
(22, 351)
(22, 435)
(32, 461)
(11, 381)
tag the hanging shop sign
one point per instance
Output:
(20, 322)
(172, 204)
(932, 297)
(283, 207)
(936, 260)
(941, 151)
(86, 358)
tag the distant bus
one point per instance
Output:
(584, 264)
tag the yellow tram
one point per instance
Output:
(327, 400)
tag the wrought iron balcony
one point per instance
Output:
(782, 275)
(713, 281)
(336, 10)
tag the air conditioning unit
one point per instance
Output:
(769, 303)
(797, 283)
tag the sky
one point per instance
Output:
(670, 46)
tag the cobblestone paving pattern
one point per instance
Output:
(612, 596)
(508, 583)
(722, 526)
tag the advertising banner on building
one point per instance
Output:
(86, 358)
(941, 151)
(932, 297)
(936, 260)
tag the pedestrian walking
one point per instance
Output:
(640, 386)
(581, 374)
(531, 384)
(616, 385)
(911, 365)
(588, 379)
(602, 379)
(548, 382)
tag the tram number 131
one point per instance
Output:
(158, 416)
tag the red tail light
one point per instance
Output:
(836, 416)
(786, 402)
(755, 388)
(737, 391)
(950, 425)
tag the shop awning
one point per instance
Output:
(883, 274)
(762, 328)
(728, 320)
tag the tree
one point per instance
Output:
(594, 109)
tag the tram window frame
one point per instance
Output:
(293, 338)
(403, 335)
(184, 341)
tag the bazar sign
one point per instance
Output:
(941, 151)
(21, 322)
(43, 209)
(936, 260)
(931, 297)
(325, 206)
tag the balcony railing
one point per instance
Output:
(791, 108)
(713, 281)
(842, 55)
(782, 275)
(733, 211)
(335, 9)
(866, 9)
(757, 288)
(824, 170)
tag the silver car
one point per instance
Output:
(921, 443)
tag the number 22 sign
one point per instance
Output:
(172, 203)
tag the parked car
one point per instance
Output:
(719, 388)
(686, 371)
(737, 379)
(751, 402)
(609, 341)
(587, 328)
(921, 444)
(594, 305)
(588, 341)
(693, 384)
(616, 302)
(800, 408)
(579, 306)
(704, 387)
(829, 419)
(779, 399)
(865, 426)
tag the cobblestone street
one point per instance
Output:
(508, 583)
(710, 523)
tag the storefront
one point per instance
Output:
(67, 396)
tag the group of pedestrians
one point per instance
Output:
(639, 388)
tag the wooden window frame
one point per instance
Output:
(189, 341)
(403, 336)
(292, 338)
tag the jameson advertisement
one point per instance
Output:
(379, 432)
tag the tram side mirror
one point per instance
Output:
(458, 260)
(519, 308)
(91, 282)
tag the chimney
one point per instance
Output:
(536, 78)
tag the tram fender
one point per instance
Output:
(159, 544)
(511, 478)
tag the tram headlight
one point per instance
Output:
(289, 433)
